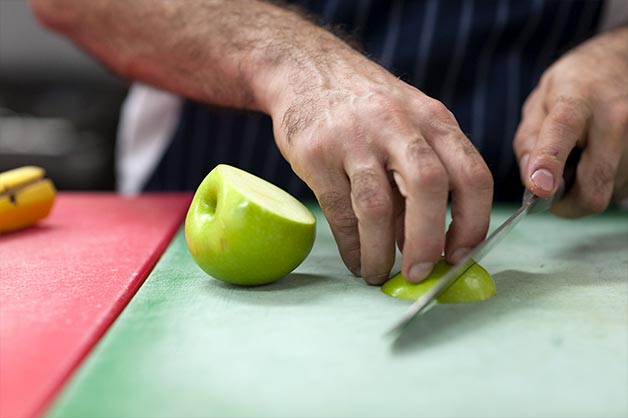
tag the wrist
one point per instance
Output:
(301, 58)
(284, 69)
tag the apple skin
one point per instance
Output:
(473, 286)
(244, 230)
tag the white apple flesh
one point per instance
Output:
(244, 230)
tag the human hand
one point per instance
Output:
(381, 158)
(581, 101)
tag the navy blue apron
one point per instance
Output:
(480, 58)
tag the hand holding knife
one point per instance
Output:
(530, 204)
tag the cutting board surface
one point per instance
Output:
(552, 342)
(63, 282)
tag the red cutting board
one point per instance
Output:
(65, 280)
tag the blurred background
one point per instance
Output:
(59, 107)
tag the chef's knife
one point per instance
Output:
(530, 204)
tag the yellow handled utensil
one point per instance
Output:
(25, 197)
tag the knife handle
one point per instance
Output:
(566, 183)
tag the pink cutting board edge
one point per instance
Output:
(38, 368)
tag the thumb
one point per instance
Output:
(564, 126)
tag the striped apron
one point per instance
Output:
(481, 58)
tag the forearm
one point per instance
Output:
(347, 127)
(231, 53)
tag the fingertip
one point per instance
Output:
(419, 271)
(355, 271)
(543, 182)
(377, 280)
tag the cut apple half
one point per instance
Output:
(474, 285)
(244, 230)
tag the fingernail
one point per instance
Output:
(543, 179)
(459, 253)
(419, 271)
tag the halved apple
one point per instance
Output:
(474, 285)
(244, 230)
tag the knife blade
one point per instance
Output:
(530, 204)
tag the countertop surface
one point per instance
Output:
(552, 342)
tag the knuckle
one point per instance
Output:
(594, 202)
(337, 210)
(530, 102)
(433, 109)
(598, 194)
(386, 110)
(417, 150)
(570, 112)
(347, 229)
(324, 143)
(477, 175)
(527, 132)
(565, 119)
(577, 103)
(381, 102)
(431, 176)
(546, 79)
(336, 127)
(603, 175)
(550, 154)
(429, 173)
(316, 149)
(520, 144)
(520, 139)
(331, 202)
(369, 198)
(350, 253)
(466, 147)
(618, 117)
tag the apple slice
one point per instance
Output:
(473, 286)
(244, 230)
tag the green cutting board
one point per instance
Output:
(552, 342)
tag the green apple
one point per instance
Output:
(474, 285)
(244, 230)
